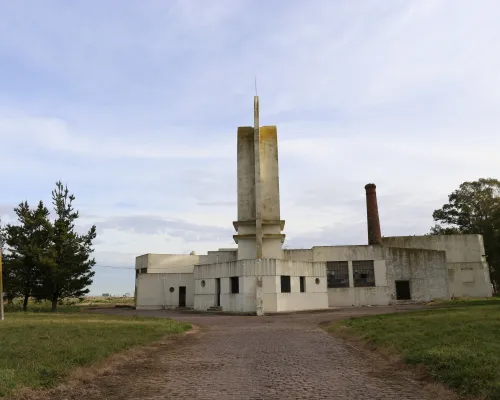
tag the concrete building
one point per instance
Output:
(259, 276)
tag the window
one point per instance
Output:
(302, 284)
(235, 284)
(364, 273)
(285, 284)
(337, 274)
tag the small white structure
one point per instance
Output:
(260, 277)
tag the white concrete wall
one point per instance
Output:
(270, 270)
(163, 263)
(315, 295)
(153, 290)
(464, 254)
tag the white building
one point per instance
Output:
(261, 277)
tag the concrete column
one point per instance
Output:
(374, 234)
(258, 197)
(259, 296)
(259, 227)
(351, 274)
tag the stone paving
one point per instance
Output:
(270, 357)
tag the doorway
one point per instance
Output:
(217, 292)
(182, 296)
(403, 290)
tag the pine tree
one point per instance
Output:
(28, 245)
(68, 270)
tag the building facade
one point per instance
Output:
(259, 276)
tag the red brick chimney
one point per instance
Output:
(374, 235)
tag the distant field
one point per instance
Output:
(37, 350)
(458, 343)
(71, 305)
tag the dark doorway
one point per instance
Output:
(403, 290)
(182, 296)
(217, 292)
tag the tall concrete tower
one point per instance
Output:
(259, 225)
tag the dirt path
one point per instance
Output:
(271, 357)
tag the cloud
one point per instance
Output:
(148, 224)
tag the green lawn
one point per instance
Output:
(39, 349)
(459, 342)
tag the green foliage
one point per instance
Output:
(28, 244)
(474, 208)
(458, 344)
(48, 259)
(68, 273)
(38, 350)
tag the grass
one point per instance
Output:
(37, 350)
(458, 343)
(70, 305)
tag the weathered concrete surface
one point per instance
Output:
(270, 357)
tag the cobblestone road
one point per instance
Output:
(270, 357)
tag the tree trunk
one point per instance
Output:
(25, 302)
(54, 303)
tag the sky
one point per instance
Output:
(135, 106)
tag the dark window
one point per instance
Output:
(302, 284)
(337, 274)
(235, 284)
(285, 284)
(364, 273)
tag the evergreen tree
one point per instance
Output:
(28, 244)
(68, 270)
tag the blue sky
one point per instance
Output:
(135, 106)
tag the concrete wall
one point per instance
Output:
(269, 175)
(270, 270)
(153, 290)
(220, 256)
(315, 295)
(334, 253)
(468, 273)
(359, 296)
(246, 174)
(425, 269)
(162, 263)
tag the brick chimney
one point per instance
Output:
(374, 235)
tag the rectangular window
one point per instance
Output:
(235, 284)
(364, 273)
(302, 284)
(285, 284)
(337, 274)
